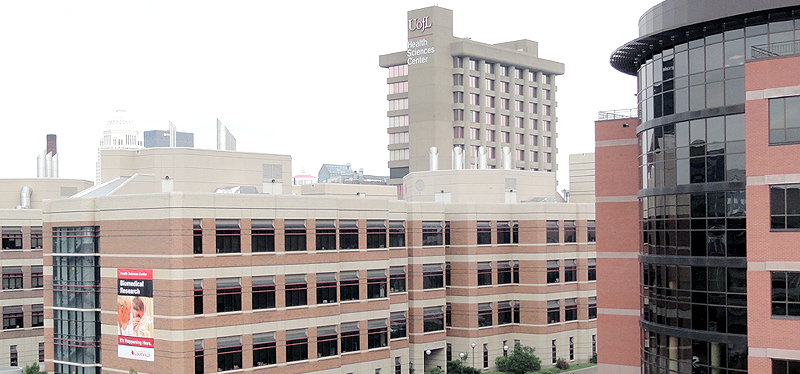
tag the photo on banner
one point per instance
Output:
(135, 314)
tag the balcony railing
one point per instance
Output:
(775, 49)
(604, 115)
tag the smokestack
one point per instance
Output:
(482, 157)
(505, 156)
(433, 159)
(458, 158)
(51, 144)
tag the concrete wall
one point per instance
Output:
(581, 178)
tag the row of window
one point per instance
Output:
(489, 136)
(331, 341)
(519, 106)
(13, 276)
(14, 354)
(13, 316)
(570, 231)
(570, 271)
(505, 120)
(570, 310)
(12, 237)
(505, 71)
(398, 137)
(491, 153)
(490, 101)
(330, 288)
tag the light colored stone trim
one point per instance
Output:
(8, 301)
(22, 262)
(617, 369)
(786, 354)
(618, 312)
(628, 255)
(771, 93)
(773, 266)
(616, 142)
(522, 297)
(762, 180)
(616, 199)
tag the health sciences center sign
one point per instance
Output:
(418, 48)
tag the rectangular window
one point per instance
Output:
(199, 365)
(505, 137)
(505, 120)
(473, 65)
(533, 123)
(398, 104)
(504, 313)
(376, 283)
(475, 134)
(397, 279)
(505, 87)
(37, 315)
(570, 232)
(484, 274)
(433, 319)
(548, 157)
(489, 118)
(592, 270)
(398, 121)
(228, 236)
(552, 271)
(325, 234)
(12, 278)
(570, 271)
(535, 157)
(520, 138)
(457, 62)
(348, 285)
(458, 97)
(552, 231)
(458, 79)
(12, 317)
(488, 68)
(784, 207)
(547, 141)
(376, 233)
(377, 334)
(504, 232)
(515, 272)
(485, 355)
(296, 345)
(447, 273)
(12, 237)
(229, 353)
(327, 341)
(458, 132)
(553, 312)
(229, 295)
(505, 104)
(397, 320)
(504, 272)
(351, 340)
(263, 292)
(197, 236)
(262, 236)
(591, 231)
(474, 82)
(296, 290)
(546, 109)
(431, 233)
(41, 352)
(13, 356)
(785, 293)
(458, 114)
(475, 116)
(489, 101)
(36, 240)
(326, 288)
(198, 296)
(545, 78)
(520, 155)
(484, 314)
(593, 307)
(516, 308)
(519, 89)
(784, 120)
(546, 125)
(594, 345)
(398, 70)
(518, 73)
(448, 315)
(489, 135)
(532, 91)
(489, 84)
(571, 348)
(398, 87)
(546, 94)
(785, 366)
(264, 352)
(294, 235)
(348, 234)
(484, 232)
(519, 106)
(553, 351)
(570, 310)
(432, 276)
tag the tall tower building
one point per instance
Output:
(468, 99)
(169, 138)
(697, 197)
(47, 162)
(118, 134)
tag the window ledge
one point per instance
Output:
(784, 230)
(786, 318)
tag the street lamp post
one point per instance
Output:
(473, 354)
(427, 356)
(461, 367)
(505, 354)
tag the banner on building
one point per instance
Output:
(135, 314)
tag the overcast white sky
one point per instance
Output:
(288, 77)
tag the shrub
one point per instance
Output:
(562, 364)
(593, 359)
(520, 361)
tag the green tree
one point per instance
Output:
(519, 361)
(435, 370)
(458, 367)
(33, 369)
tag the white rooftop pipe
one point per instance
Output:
(25, 198)
(482, 157)
(458, 158)
(433, 159)
(505, 157)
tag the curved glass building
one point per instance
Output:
(691, 60)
